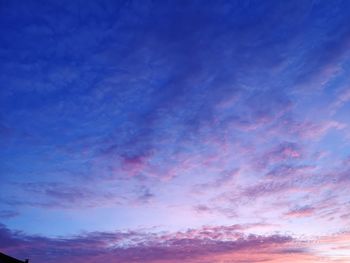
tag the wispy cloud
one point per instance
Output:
(126, 114)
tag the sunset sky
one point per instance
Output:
(175, 131)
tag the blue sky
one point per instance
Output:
(169, 118)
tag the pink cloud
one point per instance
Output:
(342, 98)
(206, 244)
(278, 154)
(306, 130)
(301, 212)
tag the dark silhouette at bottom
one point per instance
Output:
(7, 259)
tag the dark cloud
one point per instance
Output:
(192, 245)
(8, 214)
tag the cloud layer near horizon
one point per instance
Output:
(208, 244)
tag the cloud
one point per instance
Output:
(283, 152)
(307, 130)
(216, 209)
(145, 195)
(343, 97)
(61, 195)
(301, 212)
(288, 170)
(225, 178)
(8, 214)
(207, 244)
(134, 102)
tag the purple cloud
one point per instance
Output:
(301, 212)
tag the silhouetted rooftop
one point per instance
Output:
(7, 259)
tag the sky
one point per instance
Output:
(175, 131)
